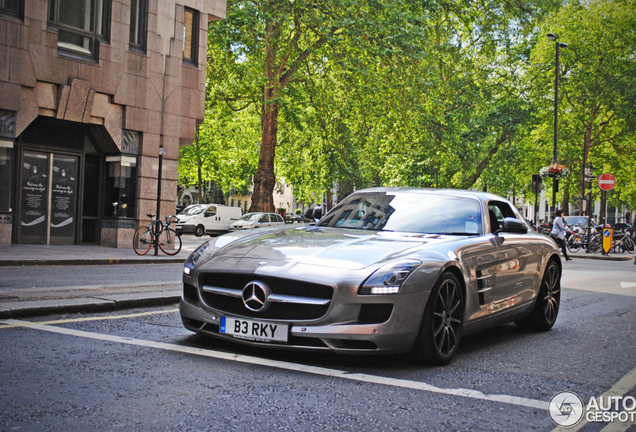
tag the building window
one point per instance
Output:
(12, 7)
(80, 24)
(120, 193)
(138, 24)
(190, 35)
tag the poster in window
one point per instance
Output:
(34, 184)
(63, 196)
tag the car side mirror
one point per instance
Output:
(514, 226)
(208, 214)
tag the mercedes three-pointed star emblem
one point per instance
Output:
(255, 296)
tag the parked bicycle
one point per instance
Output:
(579, 238)
(623, 242)
(168, 239)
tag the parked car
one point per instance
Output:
(297, 218)
(388, 270)
(210, 219)
(257, 220)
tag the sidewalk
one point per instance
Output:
(15, 303)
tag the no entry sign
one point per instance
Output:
(606, 182)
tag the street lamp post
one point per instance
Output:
(555, 154)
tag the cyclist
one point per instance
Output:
(558, 233)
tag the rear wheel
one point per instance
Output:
(629, 245)
(546, 307)
(170, 241)
(440, 331)
(199, 230)
(142, 240)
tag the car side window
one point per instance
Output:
(264, 219)
(497, 211)
(279, 218)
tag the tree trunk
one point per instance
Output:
(264, 179)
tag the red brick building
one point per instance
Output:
(89, 92)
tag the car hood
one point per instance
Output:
(326, 247)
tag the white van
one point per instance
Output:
(207, 219)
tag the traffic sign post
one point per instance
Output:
(606, 182)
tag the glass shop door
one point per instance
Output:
(48, 198)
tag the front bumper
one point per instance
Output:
(339, 330)
(185, 228)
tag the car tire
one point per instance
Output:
(441, 327)
(546, 308)
(199, 230)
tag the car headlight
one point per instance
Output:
(389, 278)
(195, 257)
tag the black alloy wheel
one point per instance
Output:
(546, 307)
(440, 331)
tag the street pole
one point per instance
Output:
(555, 154)
(162, 151)
(589, 211)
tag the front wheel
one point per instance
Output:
(574, 243)
(440, 331)
(142, 240)
(170, 241)
(629, 245)
(546, 307)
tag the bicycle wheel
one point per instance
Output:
(596, 244)
(170, 241)
(574, 243)
(142, 240)
(630, 247)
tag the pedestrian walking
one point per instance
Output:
(558, 233)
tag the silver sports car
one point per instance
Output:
(388, 270)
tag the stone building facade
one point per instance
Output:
(91, 93)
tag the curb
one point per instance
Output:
(81, 305)
(603, 257)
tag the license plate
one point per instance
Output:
(254, 330)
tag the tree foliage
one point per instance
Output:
(429, 93)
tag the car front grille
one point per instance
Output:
(303, 300)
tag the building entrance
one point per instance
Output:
(48, 198)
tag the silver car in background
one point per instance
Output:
(388, 270)
(257, 220)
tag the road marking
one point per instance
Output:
(334, 373)
(628, 284)
(622, 387)
(111, 317)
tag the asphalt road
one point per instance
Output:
(141, 370)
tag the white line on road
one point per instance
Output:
(373, 379)
(628, 284)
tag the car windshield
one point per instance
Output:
(193, 209)
(422, 213)
(576, 220)
(250, 216)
